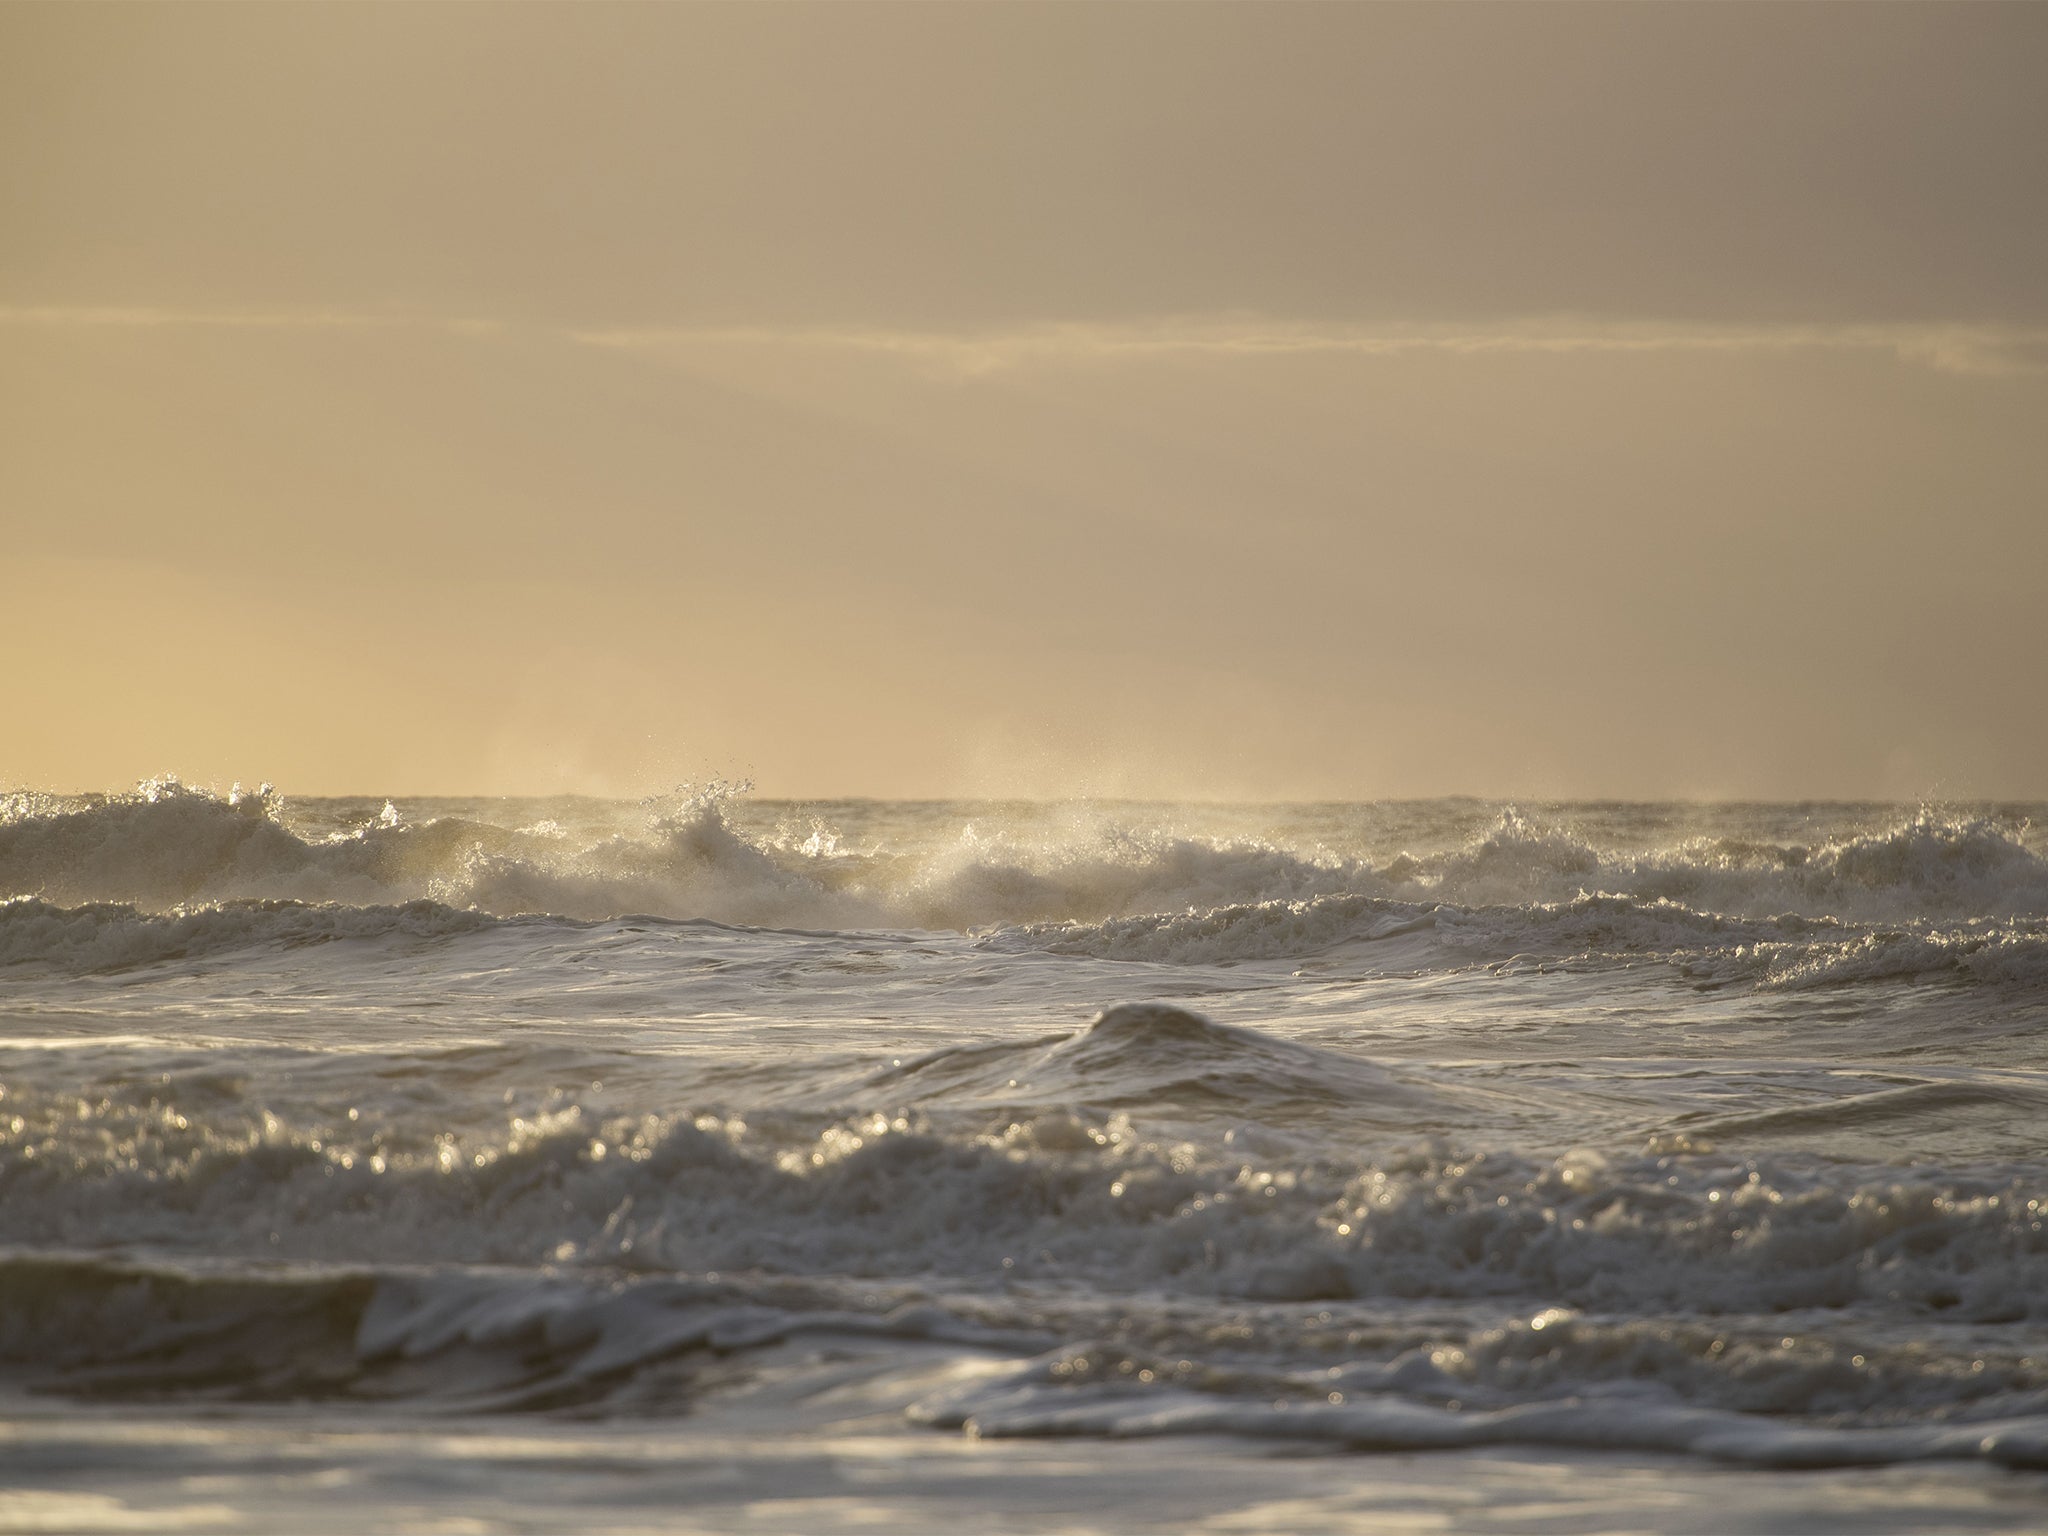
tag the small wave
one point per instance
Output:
(169, 845)
(1983, 952)
(1931, 853)
(1886, 1107)
(1929, 864)
(1786, 952)
(1161, 1057)
(504, 1341)
(1389, 1424)
(980, 883)
(1588, 927)
(111, 937)
(1266, 930)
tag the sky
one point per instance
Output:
(1248, 401)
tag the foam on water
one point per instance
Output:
(1681, 1130)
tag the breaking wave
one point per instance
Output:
(172, 872)
(169, 845)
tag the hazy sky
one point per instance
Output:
(1253, 400)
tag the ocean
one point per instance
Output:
(713, 1163)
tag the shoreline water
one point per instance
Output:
(123, 1471)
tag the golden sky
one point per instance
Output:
(1259, 400)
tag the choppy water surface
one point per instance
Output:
(1695, 1144)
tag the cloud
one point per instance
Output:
(139, 317)
(1949, 349)
(1959, 349)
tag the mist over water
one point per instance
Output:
(1707, 1131)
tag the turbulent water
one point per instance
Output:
(1706, 1134)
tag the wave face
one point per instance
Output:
(1661, 1130)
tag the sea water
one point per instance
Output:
(711, 1163)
